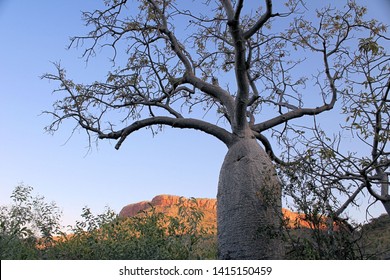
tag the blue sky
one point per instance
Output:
(182, 162)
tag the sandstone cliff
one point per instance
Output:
(168, 204)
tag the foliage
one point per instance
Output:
(30, 230)
(320, 244)
(322, 239)
(376, 238)
(317, 232)
(27, 223)
(149, 235)
(321, 233)
(155, 235)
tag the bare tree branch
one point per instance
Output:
(213, 130)
(262, 20)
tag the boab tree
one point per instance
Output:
(239, 59)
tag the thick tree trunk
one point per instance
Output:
(385, 190)
(249, 209)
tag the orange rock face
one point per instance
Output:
(164, 201)
(294, 219)
(132, 209)
(168, 204)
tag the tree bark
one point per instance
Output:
(249, 211)
(385, 191)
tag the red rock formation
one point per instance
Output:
(164, 202)
(294, 219)
(168, 204)
(132, 209)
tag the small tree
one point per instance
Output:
(326, 178)
(26, 224)
(170, 70)
(324, 164)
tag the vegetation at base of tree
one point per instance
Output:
(30, 229)
(325, 235)
(377, 238)
(150, 235)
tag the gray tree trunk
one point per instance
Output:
(385, 190)
(249, 211)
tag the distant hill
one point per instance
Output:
(168, 204)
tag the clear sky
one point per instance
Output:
(182, 162)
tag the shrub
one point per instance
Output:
(28, 223)
(149, 235)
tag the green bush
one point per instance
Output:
(27, 224)
(30, 229)
(149, 235)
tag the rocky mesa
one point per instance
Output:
(168, 204)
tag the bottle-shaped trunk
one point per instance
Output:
(249, 205)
